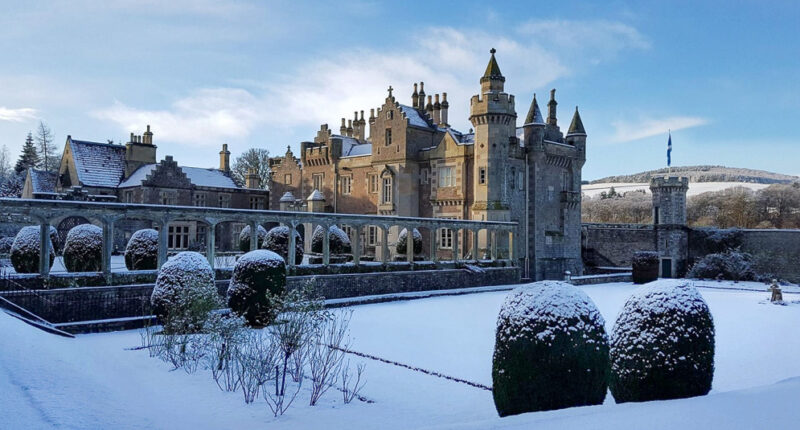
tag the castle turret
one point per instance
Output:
(139, 151)
(576, 136)
(492, 80)
(669, 219)
(225, 159)
(252, 180)
(533, 128)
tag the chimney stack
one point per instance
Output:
(252, 180)
(551, 109)
(343, 128)
(437, 107)
(429, 107)
(445, 105)
(414, 96)
(421, 105)
(225, 159)
(349, 128)
(148, 136)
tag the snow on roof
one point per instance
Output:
(287, 197)
(315, 195)
(359, 150)
(42, 181)
(98, 164)
(352, 147)
(212, 178)
(414, 117)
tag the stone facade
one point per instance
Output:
(406, 160)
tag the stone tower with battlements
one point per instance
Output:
(669, 222)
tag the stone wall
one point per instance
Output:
(613, 245)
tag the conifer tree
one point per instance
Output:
(29, 156)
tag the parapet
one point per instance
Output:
(669, 182)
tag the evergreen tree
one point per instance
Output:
(29, 157)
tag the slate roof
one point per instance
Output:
(576, 127)
(414, 117)
(534, 114)
(42, 181)
(211, 178)
(98, 164)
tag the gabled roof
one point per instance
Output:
(98, 164)
(42, 181)
(211, 178)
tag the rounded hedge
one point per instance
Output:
(730, 265)
(184, 293)
(83, 249)
(662, 345)
(551, 350)
(277, 241)
(339, 241)
(141, 253)
(402, 241)
(256, 287)
(645, 266)
(25, 249)
(244, 238)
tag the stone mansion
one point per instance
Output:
(406, 160)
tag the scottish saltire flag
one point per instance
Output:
(669, 150)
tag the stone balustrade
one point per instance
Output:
(45, 212)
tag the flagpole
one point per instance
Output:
(669, 164)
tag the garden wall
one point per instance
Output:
(613, 245)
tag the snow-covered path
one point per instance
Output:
(93, 382)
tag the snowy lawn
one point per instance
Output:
(94, 382)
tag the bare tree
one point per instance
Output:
(47, 148)
(256, 159)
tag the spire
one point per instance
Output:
(492, 69)
(576, 127)
(534, 114)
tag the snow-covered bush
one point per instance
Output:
(645, 266)
(339, 242)
(730, 265)
(551, 350)
(244, 238)
(277, 241)
(184, 293)
(141, 253)
(5, 244)
(402, 241)
(83, 249)
(662, 345)
(26, 249)
(257, 284)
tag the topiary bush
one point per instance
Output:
(662, 345)
(184, 293)
(730, 265)
(256, 287)
(402, 241)
(277, 241)
(645, 266)
(83, 249)
(244, 238)
(25, 250)
(339, 241)
(551, 350)
(141, 253)
(5, 244)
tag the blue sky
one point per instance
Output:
(723, 75)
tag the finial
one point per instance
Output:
(390, 90)
(492, 51)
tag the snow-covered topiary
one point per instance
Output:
(244, 238)
(141, 253)
(277, 241)
(339, 242)
(645, 266)
(184, 293)
(402, 240)
(551, 350)
(257, 284)
(83, 249)
(5, 244)
(730, 265)
(26, 248)
(662, 345)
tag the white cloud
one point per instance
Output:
(627, 131)
(16, 115)
(326, 89)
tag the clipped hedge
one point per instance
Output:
(141, 253)
(184, 293)
(256, 287)
(277, 241)
(339, 242)
(662, 345)
(244, 238)
(402, 241)
(25, 249)
(645, 266)
(83, 249)
(551, 350)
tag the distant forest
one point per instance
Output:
(707, 174)
(776, 206)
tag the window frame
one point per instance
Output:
(387, 184)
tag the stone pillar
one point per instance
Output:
(211, 244)
(44, 250)
(434, 244)
(162, 243)
(108, 246)
(475, 255)
(494, 244)
(326, 245)
(410, 244)
(384, 244)
(290, 254)
(253, 235)
(455, 245)
(357, 245)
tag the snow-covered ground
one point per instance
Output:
(695, 188)
(94, 382)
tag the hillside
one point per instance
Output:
(706, 174)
